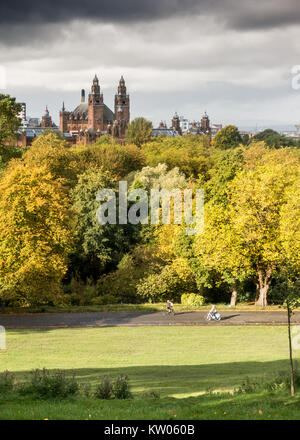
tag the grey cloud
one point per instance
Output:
(234, 13)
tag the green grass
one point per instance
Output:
(147, 307)
(222, 406)
(180, 363)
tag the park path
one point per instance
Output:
(112, 319)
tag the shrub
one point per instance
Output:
(7, 380)
(120, 388)
(159, 287)
(86, 389)
(104, 389)
(192, 299)
(279, 382)
(151, 394)
(45, 385)
(105, 299)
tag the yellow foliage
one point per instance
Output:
(35, 235)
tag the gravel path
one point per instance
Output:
(112, 319)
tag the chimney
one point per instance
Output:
(82, 95)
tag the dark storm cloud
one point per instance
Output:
(237, 14)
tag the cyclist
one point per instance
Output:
(170, 307)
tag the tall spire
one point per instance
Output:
(63, 106)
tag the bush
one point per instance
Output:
(120, 388)
(7, 381)
(105, 299)
(46, 385)
(159, 287)
(104, 389)
(151, 394)
(192, 299)
(279, 382)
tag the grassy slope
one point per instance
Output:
(178, 362)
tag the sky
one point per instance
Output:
(231, 58)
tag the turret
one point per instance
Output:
(122, 106)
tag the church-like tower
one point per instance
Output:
(122, 107)
(95, 107)
(46, 120)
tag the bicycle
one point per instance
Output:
(169, 312)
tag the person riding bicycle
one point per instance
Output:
(170, 306)
(213, 313)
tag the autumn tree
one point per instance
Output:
(139, 131)
(53, 152)
(9, 121)
(35, 236)
(257, 197)
(227, 137)
(219, 251)
(191, 154)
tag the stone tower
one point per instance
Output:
(122, 107)
(46, 119)
(205, 124)
(176, 123)
(95, 107)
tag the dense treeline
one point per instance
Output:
(53, 251)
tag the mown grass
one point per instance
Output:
(179, 363)
(205, 407)
(147, 307)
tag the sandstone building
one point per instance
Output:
(93, 118)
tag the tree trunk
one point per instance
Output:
(291, 352)
(233, 295)
(264, 282)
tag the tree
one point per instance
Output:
(220, 251)
(256, 198)
(98, 247)
(274, 139)
(159, 177)
(9, 121)
(227, 137)
(35, 237)
(53, 152)
(7, 153)
(191, 154)
(139, 131)
(226, 164)
(119, 160)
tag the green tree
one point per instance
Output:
(9, 121)
(139, 131)
(274, 139)
(35, 237)
(227, 137)
(98, 247)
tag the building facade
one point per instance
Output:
(93, 118)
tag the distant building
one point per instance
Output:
(33, 127)
(163, 130)
(47, 120)
(93, 118)
(22, 114)
(184, 126)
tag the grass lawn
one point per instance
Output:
(180, 363)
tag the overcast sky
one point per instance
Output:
(232, 58)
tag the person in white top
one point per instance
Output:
(170, 306)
